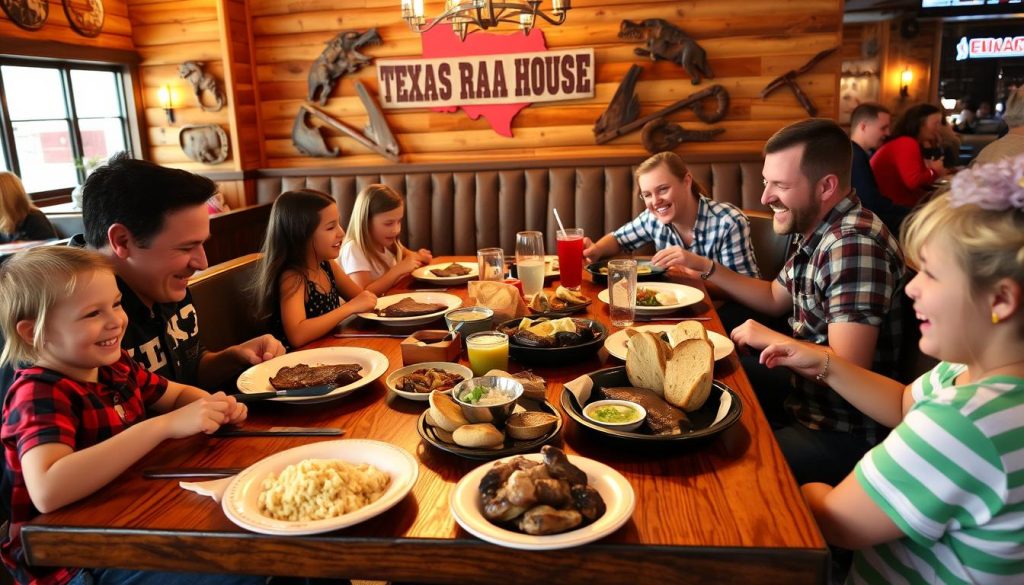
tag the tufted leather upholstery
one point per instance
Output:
(223, 303)
(459, 208)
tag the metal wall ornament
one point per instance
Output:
(668, 42)
(202, 82)
(376, 136)
(205, 143)
(85, 16)
(339, 57)
(788, 79)
(28, 14)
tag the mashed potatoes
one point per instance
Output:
(317, 489)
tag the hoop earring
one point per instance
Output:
(995, 318)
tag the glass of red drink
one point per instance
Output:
(570, 257)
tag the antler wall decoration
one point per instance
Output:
(789, 79)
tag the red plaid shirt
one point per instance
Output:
(43, 406)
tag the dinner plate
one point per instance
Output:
(615, 490)
(449, 301)
(555, 356)
(512, 446)
(241, 498)
(424, 273)
(460, 369)
(685, 296)
(565, 312)
(373, 364)
(644, 270)
(707, 420)
(616, 342)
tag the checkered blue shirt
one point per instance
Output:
(721, 233)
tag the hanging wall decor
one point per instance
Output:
(376, 136)
(205, 143)
(340, 56)
(666, 41)
(788, 79)
(85, 16)
(202, 82)
(28, 14)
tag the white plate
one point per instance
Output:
(616, 342)
(373, 363)
(614, 489)
(685, 296)
(551, 265)
(241, 498)
(463, 371)
(424, 273)
(449, 301)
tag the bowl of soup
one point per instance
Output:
(488, 399)
(620, 415)
(473, 320)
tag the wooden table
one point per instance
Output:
(724, 511)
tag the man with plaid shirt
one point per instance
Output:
(842, 289)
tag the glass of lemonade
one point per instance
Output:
(622, 292)
(488, 350)
(530, 261)
(570, 257)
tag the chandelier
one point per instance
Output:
(483, 14)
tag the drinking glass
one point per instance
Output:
(488, 350)
(570, 257)
(492, 263)
(622, 292)
(530, 261)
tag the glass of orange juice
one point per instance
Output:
(488, 350)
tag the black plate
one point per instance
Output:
(555, 356)
(567, 311)
(701, 418)
(512, 446)
(595, 271)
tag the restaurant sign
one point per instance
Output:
(474, 80)
(989, 47)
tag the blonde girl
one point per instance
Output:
(941, 499)
(19, 219)
(372, 254)
(299, 286)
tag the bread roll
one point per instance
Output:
(479, 435)
(686, 330)
(446, 412)
(688, 374)
(645, 361)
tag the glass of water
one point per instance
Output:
(530, 261)
(492, 263)
(622, 292)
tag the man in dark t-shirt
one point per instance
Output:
(869, 127)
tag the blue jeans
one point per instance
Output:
(131, 577)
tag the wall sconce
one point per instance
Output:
(905, 80)
(166, 98)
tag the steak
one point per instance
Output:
(453, 269)
(303, 376)
(407, 307)
(662, 417)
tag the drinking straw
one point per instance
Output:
(558, 219)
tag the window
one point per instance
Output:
(60, 121)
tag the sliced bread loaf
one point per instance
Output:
(688, 374)
(646, 356)
(687, 330)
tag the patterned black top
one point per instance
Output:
(319, 303)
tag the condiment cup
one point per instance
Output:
(469, 326)
(496, 414)
(590, 410)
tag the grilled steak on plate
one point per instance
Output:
(407, 307)
(453, 269)
(303, 376)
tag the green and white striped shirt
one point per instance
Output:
(951, 476)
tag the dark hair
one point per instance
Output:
(138, 194)
(293, 220)
(910, 122)
(827, 149)
(866, 112)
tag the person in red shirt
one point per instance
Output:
(901, 170)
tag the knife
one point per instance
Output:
(671, 319)
(295, 392)
(279, 432)
(176, 472)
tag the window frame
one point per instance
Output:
(122, 77)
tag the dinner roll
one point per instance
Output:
(479, 435)
(446, 412)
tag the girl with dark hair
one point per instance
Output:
(299, 286)
(901, 170)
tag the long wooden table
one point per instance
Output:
(724, 511)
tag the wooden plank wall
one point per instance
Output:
(748, 43)
(116, 34)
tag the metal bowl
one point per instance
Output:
(496, 413)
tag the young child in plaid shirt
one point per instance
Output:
(78, 416)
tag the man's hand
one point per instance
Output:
(675, 256)
(756, 336)
(259, 349)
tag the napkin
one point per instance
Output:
(214, 488)
(502, 298)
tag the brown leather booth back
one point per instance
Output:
(457, 209)
(224, 304)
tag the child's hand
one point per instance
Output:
(425, 255)
(237, 412)
(363, 302)
(410, 262)
(205, 415)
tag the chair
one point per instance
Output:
(223, 303)
(771, 249)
